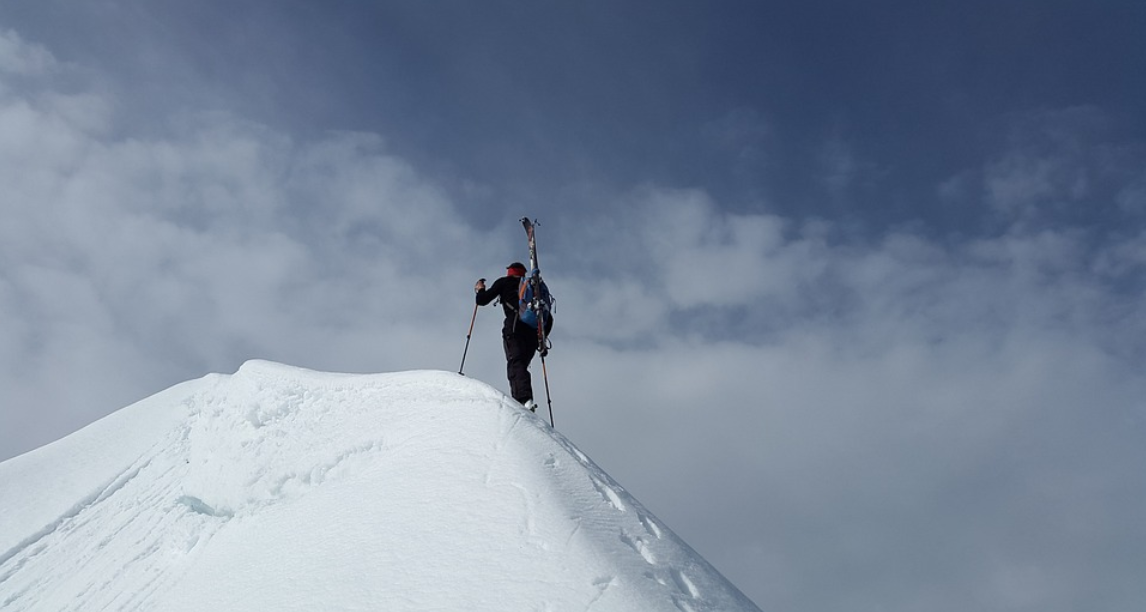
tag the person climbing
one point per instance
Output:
(518, 339)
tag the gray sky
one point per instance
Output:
(849, 296)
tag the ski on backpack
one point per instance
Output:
(529, 233)
(535, 307)
(535, 303)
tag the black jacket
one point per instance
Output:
(504, 288)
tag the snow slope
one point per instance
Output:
(278, 488)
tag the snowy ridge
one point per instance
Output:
(286, 489)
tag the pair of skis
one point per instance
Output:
(535, 281)
(540, 310)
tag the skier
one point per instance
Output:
(519, 339)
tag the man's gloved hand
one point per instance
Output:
(480, 285)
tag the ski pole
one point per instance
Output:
(468, 334)
(548, 400)
(543, 349)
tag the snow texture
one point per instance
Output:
(278, 488)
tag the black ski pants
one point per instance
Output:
(520, 345)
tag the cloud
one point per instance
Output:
(892, 451)
(23, 59)
(904, 419)
(134, 262)
(1065, 166)
(888, 421)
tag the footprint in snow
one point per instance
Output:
(638, 544)
(610, 495)
(651, 526)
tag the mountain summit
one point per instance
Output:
(278, 488)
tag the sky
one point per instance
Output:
(871, 274)
(279, 488)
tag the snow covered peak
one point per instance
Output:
(278, 488)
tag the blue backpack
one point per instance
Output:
(530, 305)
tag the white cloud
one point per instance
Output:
(142, 261)
(691, 255)
(1063, 166)
(1024, 181)
(20, 58)
(909, 397)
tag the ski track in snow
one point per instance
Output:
(641, 535)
